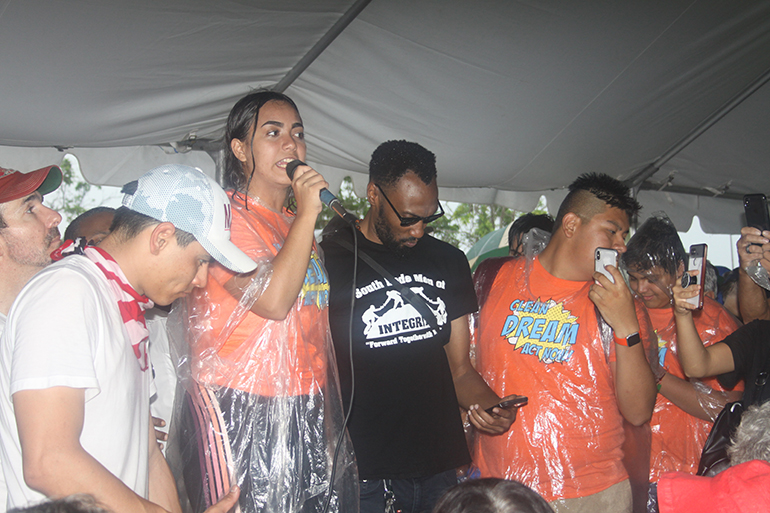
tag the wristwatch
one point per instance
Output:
(630, 340)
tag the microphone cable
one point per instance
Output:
(352, 370)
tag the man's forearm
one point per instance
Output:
(752, 301)
(472, 389)
(634, 384)
(67, 472)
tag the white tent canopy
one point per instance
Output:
(514, 97)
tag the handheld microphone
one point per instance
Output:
(329, 199)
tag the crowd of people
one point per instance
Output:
(198, 349)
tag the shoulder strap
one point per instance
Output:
(416, 301)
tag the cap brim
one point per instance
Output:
(52, 180)
(229, 255)
(18, 185)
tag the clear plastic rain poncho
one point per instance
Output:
(542, 337)
(261, 405)
(654, 260)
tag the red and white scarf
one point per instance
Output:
(130, 303)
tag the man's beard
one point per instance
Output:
(20, 252)
(385, 234)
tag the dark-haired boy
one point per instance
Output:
(74, 379)
(540, 335)
(684, 412)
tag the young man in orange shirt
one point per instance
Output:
(569, 338)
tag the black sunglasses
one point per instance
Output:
(412, 220)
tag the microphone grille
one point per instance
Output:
(291, 167)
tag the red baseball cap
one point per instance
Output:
(15, 185)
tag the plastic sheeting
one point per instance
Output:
(540, 340)
(261, 406)
(677, 436)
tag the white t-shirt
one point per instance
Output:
(3, 490)
(65, 329)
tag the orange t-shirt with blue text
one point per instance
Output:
(678, 437)
(539, 336)
(261, 356)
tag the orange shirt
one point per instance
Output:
(539, 337)
(678, 437)
(235, 348)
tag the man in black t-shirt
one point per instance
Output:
(411, 369)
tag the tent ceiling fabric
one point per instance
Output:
(514, 97)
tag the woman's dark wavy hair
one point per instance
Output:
(241, 124)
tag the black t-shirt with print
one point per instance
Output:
(405, 421)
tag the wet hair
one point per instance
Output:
(751, 440)
(524, 224)
(491, 496)
(127, 224)
(241, 125)
(78, 503)
(655, 244)
(588, 188)
(393, 159)
(73, 229)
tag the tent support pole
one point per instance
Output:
(637, 178)
(318, 48)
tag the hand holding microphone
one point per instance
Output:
(327, 197)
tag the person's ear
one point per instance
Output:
(570, 224)
(239, 149)
(680, 270)
(160, 238)
(371, 193)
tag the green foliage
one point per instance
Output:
(69, 198)
(475, 221)
(352, 203)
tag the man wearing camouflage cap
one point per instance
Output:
(74, 379)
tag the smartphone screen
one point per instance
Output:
(604, 257)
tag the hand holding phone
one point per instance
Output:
(604, 257)
(697, 262)
(515, 402)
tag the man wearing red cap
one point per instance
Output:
(28, 230)
(28, 233)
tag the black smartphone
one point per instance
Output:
(515, 402)
(697, 262)
(755, 208)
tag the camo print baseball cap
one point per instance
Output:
(193, 202)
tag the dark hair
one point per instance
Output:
(491, 496)
(392, 159)
(524, 224)
(592, 186)
(78, 503)
(241, 124)
(73, 230)
(127, 224)
(729, 283)
(655, 244)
